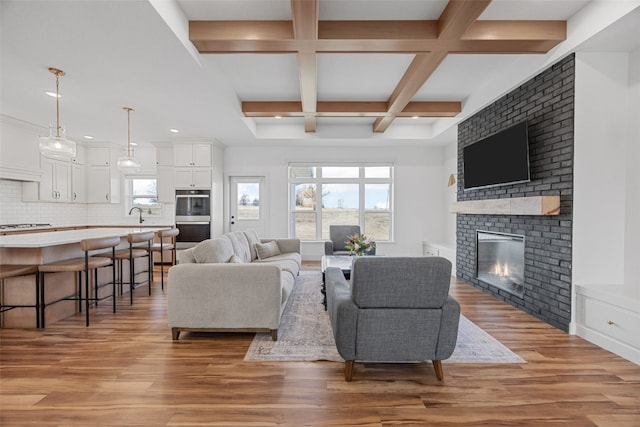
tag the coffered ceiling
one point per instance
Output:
(335, 71)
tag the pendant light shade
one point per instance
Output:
(56, 145)
(128, 164)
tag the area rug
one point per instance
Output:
(305, 333)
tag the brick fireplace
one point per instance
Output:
(547, 103)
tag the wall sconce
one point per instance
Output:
(452, 180)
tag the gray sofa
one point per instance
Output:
(397, 309)
(237, 282)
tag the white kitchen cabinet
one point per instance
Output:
(197, 154)
(99, 155)
(192, 178)
(81, 155)
(166, 186)
(103, 185)
(19, 153)
(103, 177)
(56, 181)
(78, 184)
(164, 154)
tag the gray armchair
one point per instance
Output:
(397, 309)
(338, 234)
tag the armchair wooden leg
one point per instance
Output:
(175, 334)
(437, 365)
(348, 370)
(274, 335)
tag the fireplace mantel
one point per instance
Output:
(535, 205)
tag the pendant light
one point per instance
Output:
(57, 146)
(128, 164)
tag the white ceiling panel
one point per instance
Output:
(365, 77)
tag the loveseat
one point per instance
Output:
(237, 282)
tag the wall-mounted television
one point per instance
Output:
(499, 159)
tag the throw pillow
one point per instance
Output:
(215, 250)
(267, 250)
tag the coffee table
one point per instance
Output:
(343, 262)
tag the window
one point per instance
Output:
(143, 193)
(321, 196)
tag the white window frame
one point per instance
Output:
(129, 195)
(319, 180)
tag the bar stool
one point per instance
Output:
(79, 265)
(161, 247)
(11, 271)
(137, 249)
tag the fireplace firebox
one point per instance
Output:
(500, 261)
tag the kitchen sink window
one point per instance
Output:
(143, 193)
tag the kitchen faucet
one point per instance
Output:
(139, 210)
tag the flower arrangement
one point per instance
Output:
(358, 244)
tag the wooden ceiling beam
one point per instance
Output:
(376, 37)
(305, 27)
(350, 109)
(455, 19)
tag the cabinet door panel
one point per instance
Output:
(202, 155)
(202, 178)
(47, 186)
(183, 155)
(183, 178)
(99, 184)
(78, 184)
(166, 186)
(63, 181)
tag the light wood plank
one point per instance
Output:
(537, 205)
(349, 109)
(126, 370)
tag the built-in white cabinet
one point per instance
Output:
(54, 185)
(609, 316)
(166, 187)
(19, 153)
(164, 154)
(196, 154)
(81, 155)
(192, 178)
(103, 178)
(78, 183)
(56, 181)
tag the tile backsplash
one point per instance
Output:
(15, 211)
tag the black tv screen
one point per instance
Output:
(500, 159)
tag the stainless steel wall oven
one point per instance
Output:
(193, 216)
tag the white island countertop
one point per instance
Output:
(57, 238)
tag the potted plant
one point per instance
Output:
(359, 244)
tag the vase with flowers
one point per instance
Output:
(359, 244)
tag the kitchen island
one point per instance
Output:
(49, 246)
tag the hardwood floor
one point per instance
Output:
(124, 370)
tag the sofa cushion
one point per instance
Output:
(235, 259)
(267, 250)
(253, 239)
(240, 245)
(213, 251)
(186, 256)
(286, 262)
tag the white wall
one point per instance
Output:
(632, 211)
(451, 193)
(602, 168)
(418, 199)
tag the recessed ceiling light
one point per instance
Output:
(53, 94)
(277, 117)
(414, 117)
(134, 143)
(87, 137)
(173, 130)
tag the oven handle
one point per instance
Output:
(193, 223)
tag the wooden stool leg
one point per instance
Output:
(161, 267)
